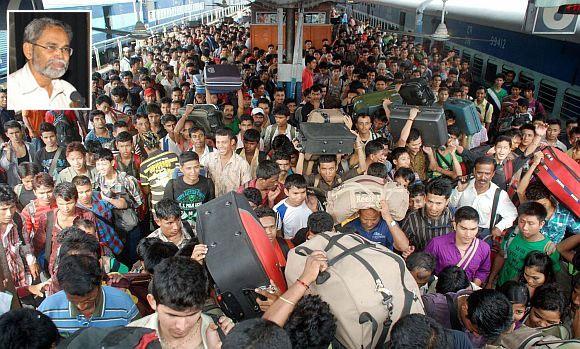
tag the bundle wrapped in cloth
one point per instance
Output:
(364, 192)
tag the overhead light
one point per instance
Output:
(441, 33)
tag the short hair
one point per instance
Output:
(74, 239)
(167, 208)
(152, 251)
(532, 208)
(327, 159)
(452, 279)
(466, 213)
(168, 118)
(27, 328)
(397, 152)
(419, 331)
(309, 59)
(188, 156)
(12, 124)
(79, 274)
(46, 127)
(542, 263)
(414, 135)
(66, 191)
(378, 169)
(264, 211)
(406, 173)
(485, 160)
(553, 121)
(225, 132)
(120, 124)
(94, 113)
(311, 324)
(295, 180)
(320, 222)
(26, 169)
(76, 146)
(280, 155)
(528, 127)
(124, 137)
(267, 169)
(416, 189)
(421, 260)
(257, 334)
(252, 135)
(42, 179)
(516, 292)
(34, 29)
(7, 195)
(503, 138)
(490, 311)
(281, 110)
(537, 191)
(373, 147)
(179, 283)
(254, 195)
(93, 146)
(104, 154)
(281, 143)
(549, 297)
(81, 180)
(153, 109)
(120, 91)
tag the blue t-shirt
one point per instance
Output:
(379, 234)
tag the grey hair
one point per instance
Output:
(35, 28)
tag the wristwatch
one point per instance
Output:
(393, 223)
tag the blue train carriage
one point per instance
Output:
(540, 46)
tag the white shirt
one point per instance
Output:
(124, 64)
(24, 93)
(290, 218)
(483, 204)
(167, 144)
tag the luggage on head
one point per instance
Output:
(326, 138)
(466, 115)
(367, 286)
(370, 103)
(240, 256)
(222, 78)
(332, 116)
(417, 92)
(430, 122)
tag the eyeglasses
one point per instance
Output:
(53, 49)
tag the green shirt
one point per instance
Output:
(234, 126)
(515, 249)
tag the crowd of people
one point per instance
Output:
(98, 209)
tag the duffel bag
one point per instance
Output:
(555, 336)
(362, 192)
(333, 116)
(367, 287)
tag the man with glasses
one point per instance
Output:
(37, 85)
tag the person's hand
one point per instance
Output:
(226, 324)
(273, 194)
(316, 263)
(462, 184)
(348, 121)
(496, 232)
(550, 248)
(386, 103)
(312, 202)
(384, 209)
(538, 157)
(212, 336)
(38, 289)
(541, 129)
(413, 113)
(271, 295)
(188, 110)
(491, 151)
(114, 278)
(34, 270)
(428, 150)
(199, 253)
(408, 252)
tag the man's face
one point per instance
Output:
(415, 146)
(283, 165)
(480, 95)
(483, 174)
(149, 99)
(142, 125)
(66, 206)
(50, 62)
(169, 126)
(125, 148)
(85, 304)
(176, 96)
(191, 170)
(417, 202)
(85, 194)
(443, 95)
(279, 97)
(553, 132)
(103, 166)
(165, 109)
(281, 120)
(76, 160)
(435, 205)
(3, 100)
(43, 194)
(49, 139)
(363, 124)
(380, 85)
(327, 171)
(258, 120)
(466, 231)
(527, 137)
(296, 196)
(529, 225)
(502, 150)
(174, 109)
(223, 144)
(269, 224)
(170, 227)
(14, 134)
(6, 211)
(229, 111)
(127, 81)
(154, 118)
(369, 218)
(266, 108)
(499, 82)
(543, 318)
(198, 139)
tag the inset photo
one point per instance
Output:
(49, 60)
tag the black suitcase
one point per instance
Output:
(222, 78)
(240, 256)
(430, 122)
(326, 138)
(417, 92)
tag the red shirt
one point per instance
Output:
(252, 184)
(307, 79)
(50, 116)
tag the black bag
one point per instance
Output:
(210, 113)
(430, 122)
(317, 138)
(417, 92)
(222, 78)
(66, 131)
(240, 257)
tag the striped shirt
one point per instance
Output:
(421, 229)
(114, 308)
(229, 176)
(156, 171)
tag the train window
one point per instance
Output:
(490, 72)
(526, 78)
(547, 94)
(477, 67)
(571, 105)
(506, 68)
(466, 56)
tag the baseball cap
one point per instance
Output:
(258, 111)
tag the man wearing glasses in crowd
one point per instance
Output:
(37, 85)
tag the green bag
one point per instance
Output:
(556, 336)
(370, 103)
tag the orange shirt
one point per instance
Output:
(35, 118)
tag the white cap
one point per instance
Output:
(126, 49)
(258, 111)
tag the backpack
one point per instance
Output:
(66, 131)
(366, 285)
(555, 336)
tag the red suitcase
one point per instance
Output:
(240, 257)
(559, 173)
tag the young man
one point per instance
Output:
(126, 160)
(76, 157)
(293, 211)
(102, 207)
(462, 247)
(435, 219)
(190, 190)
(157, 169)
(199, 142)
(229, 119)
(171, 228)
(227, 169)
(15, 151)
(308, 72)
(422, 158)
(525, 238)
(154, 115)
(267, 217)
(484, 107)
(52, 158)
(250, 151)
(100, 132)
(178, 318)
(169, 142)
(83, 302)
(552, 134)
(266, 182)
(281, 115)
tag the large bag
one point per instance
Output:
(207, 116)
(222, 78)
(559, 173)
(367, 286)
(370, 103)
(333, 116)
(466, 115)
(555, 336)
(417, 92)
(66, 131)
(362, 192)
(319, 138)
(430, 122)
(240, 256)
